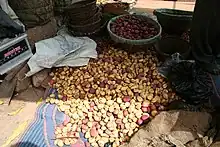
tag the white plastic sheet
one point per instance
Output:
(62, 50)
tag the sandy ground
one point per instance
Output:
(155, 4)
(27, 102)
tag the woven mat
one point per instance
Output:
(40, 133)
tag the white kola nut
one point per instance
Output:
(52, 101)
(127, 104)
(127, 125)
(80, 113)
(75, 116)
(125, 120)
(90, 124)
(110, 102)
(106, 119)
(101, 143)
(91, 140)
(103, 111)
(119, 100)
(102, 100)
(87, 135)
(120, 115)
(130, 133)
(111, 118)
(100, 106)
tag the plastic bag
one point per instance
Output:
(165, 68)
(62, 50)
(188, 80)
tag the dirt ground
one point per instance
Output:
(155, 4)
(25, 105)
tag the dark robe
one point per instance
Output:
(205, 35)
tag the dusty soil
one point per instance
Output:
(26, 103)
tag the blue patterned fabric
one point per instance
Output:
(40, 133)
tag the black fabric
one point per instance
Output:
(8, 28)
(205, 35)
(195, 85)
(199, 82)
(191, 83)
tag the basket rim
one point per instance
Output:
(70, 7)
(140, 40)
(89, 33)
(164, 11)
(97, 16)
(77, 26)
(97, 9)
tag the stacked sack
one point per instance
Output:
(33, 12)
(84, 17)
(59, 6)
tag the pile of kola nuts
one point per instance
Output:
(109, 98)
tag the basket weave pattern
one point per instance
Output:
(84, 17)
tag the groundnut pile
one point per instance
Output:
(132, 27)
(110, 98)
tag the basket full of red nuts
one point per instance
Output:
(134, 29)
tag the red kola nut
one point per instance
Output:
(64, 98)
(140, 122)
(91, 109)
(83, 131)
(144, 109)
(92, 104)
(51, 82)
(94, 132)
(109, 114)
(85, 121)
(145, 117)
(127, 99)
(145, 104)
(87, 144)
(125, 112)
(84, 127)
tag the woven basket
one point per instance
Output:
(83, 15)
(86, 19)
(173, 21)
(122, 40)
(85, 28)
(81, 6)
(94, 32)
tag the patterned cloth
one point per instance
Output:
(40, 133)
